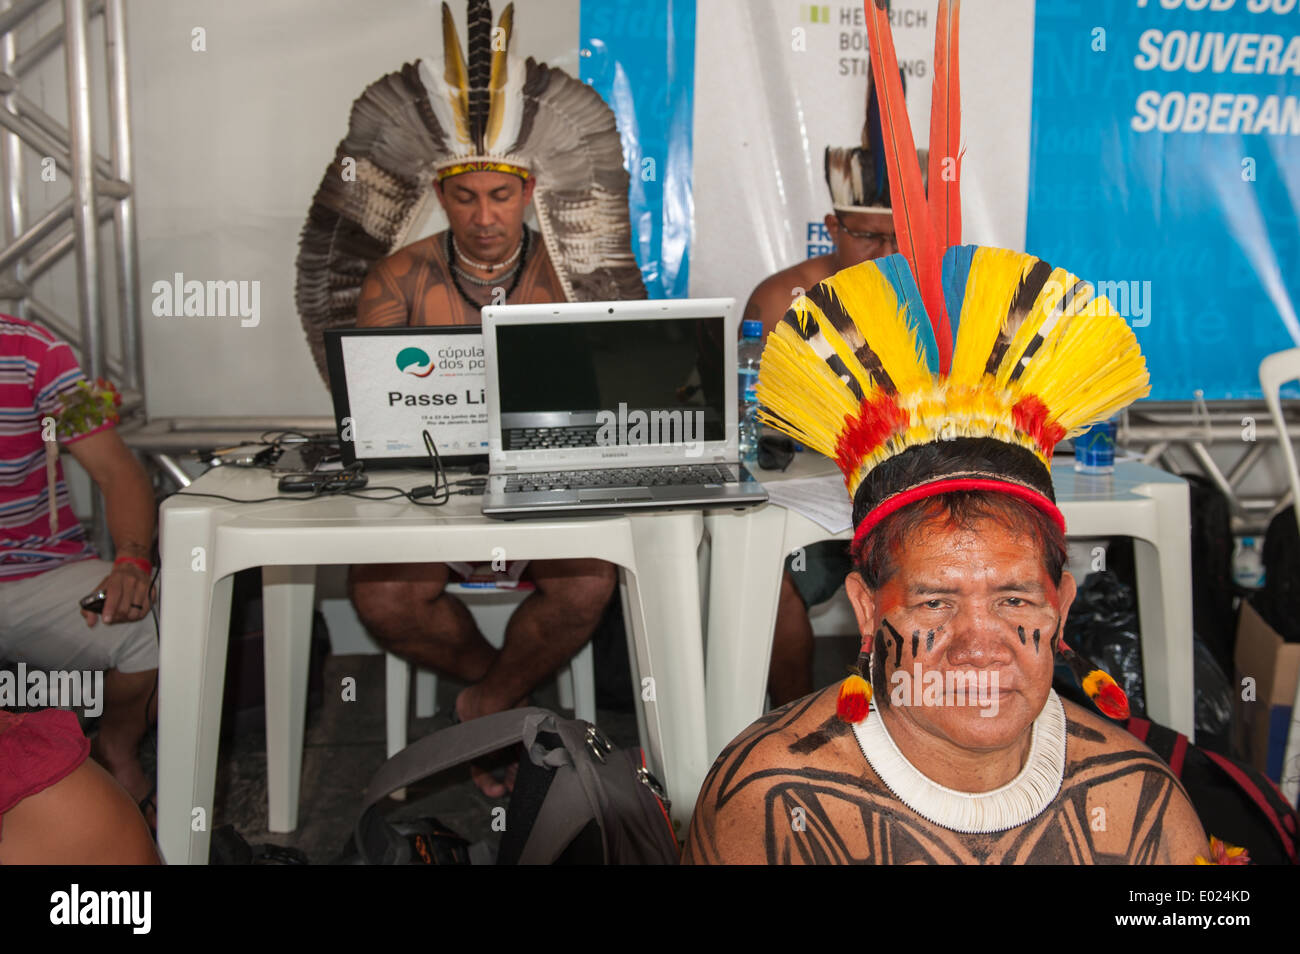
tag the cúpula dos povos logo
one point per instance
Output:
(415, 362)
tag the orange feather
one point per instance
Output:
(945, 130)
(912, 222)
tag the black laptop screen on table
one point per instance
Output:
(391, 384)
(576, 376)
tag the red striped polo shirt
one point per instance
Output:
(36, 368)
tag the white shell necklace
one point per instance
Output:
(1013, 804)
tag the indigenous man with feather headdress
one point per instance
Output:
(487, 134)
(940, 380)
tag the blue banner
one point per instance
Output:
(1165, 169)
(640, 56)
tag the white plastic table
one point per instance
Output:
(748, 550)
(204, 541)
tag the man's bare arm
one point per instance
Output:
(769, 302)
(131, 511)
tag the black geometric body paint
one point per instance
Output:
(929, 641)
(916, 642)
(1020, 631)
(823, 734)
(1037, 637)
(1056, 637)
(898, 644)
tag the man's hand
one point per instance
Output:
(126, 596)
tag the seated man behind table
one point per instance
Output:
(488, 255)
(959, 589)
(46, 563)
(861, 227)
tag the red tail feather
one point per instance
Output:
(916, 234)
(945, 130)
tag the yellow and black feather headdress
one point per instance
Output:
(945, 367)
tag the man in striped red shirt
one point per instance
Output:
(47, 565)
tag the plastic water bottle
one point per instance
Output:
(1248, 564)
(747, 358)
(1094, 449)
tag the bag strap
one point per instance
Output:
(377, 841)
(1261, 800)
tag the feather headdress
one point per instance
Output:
(857, 176)
(482, 109)
(944, 367)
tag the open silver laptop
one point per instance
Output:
(613, 406)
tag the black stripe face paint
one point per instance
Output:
(929, 641)
(1037, 636)
(898, 644)
(1020, 631)
(880, 688)
(916, 642)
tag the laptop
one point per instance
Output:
(391, 384)
(599, 406)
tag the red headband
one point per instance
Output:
(900, 500)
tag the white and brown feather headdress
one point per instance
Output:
(483, 110)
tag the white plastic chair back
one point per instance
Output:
(1275, 371)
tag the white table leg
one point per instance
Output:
(1164, 572)
(194, 620)
(287, 594)
(665, 620)
(745, 586)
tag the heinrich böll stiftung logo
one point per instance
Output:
(415, 362)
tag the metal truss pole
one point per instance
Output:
(83, 186)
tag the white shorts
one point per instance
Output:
(41, 624)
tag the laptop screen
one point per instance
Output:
(636, 381)
(391, 384)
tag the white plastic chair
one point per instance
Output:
(1274, 371)
(491, 610)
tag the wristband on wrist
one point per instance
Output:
(136, 562)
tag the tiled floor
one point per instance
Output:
(345, 745)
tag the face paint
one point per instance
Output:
(1020, 631)
(1037, 636)
(898, 644)
(929, 641)
(916, 642)
(880, 689)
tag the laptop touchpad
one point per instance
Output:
(616, 493)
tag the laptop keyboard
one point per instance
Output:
(539, 438)
(677, 475)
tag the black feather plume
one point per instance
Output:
(478, 67)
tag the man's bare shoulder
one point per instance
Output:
(401, 288)
(1089, 736)
(788, 757)
(1133, 804)
(774, 295)
(409, 258)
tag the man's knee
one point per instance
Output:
(383, 594)
(583, 587)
